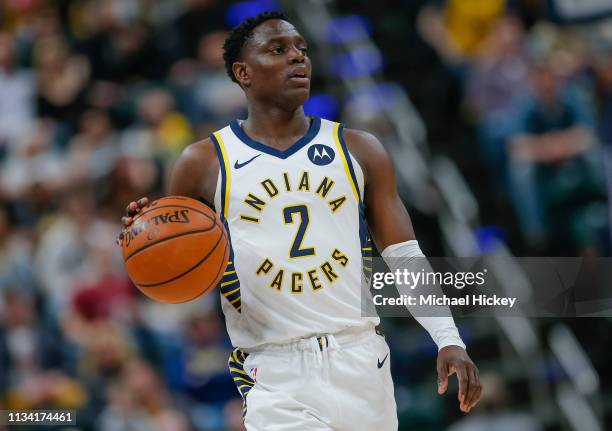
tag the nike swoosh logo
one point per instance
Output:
(380, 364)
(240, 165)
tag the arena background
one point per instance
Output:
(498, 115)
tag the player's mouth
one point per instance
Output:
(298, 77)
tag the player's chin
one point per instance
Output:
(296, 97)
(301, 90)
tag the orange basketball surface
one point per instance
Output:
(175, 250)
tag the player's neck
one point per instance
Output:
(275, 127)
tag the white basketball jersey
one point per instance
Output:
(298, 236)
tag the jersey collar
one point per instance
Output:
(315, 125)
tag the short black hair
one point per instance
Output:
(232, 48)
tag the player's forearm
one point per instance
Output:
(439, 322)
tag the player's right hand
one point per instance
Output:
(131, 211)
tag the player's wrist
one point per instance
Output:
(451, 342)
(403, 249)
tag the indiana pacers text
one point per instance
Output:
(269, 189)
(326, 272)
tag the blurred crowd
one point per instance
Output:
(535, 91)
(98, 97)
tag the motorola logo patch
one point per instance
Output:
(321, 155)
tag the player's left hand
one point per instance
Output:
(454, 359)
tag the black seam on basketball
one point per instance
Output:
(151, 244)
(221, 268)
(174, 206)
(176, 277)
(220, 224)
(208, 287)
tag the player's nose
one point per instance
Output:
(296, 55)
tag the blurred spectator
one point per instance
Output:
(120, 47)
(61, 252)
(103, 290)
(18, 14)
(16, 250)
(93, 151)
(138, 171)
(32, 173)
(34, 357)
(157, 113)
(170, 322)
(458, 30)
(232, 413)
(33, 161)
(602, 59)
(501, 71)
(555, 174)
(62, 80)
(492, 83)
(197, 364)
(104, 349)
(495, 411)
(139, 400)
(210, 99)
(198, 18)
(17, 88)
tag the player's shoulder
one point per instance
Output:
(199, 147)
(365, 147)
(200, 153)
(204, 150)
(361, 141)
(359, 136)
(198, 160)
(195, 171)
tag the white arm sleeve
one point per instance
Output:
(441, 329)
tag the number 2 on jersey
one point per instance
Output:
(296, 247)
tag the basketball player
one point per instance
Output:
(294, 194)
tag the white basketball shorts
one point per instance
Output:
(338, 382)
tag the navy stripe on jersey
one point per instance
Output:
(348, 159)
(366, 244)
(223, 175)
(364, 234)
(243, 381)
(229, 286)
(313, 130)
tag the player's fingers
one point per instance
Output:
(131, 208)
(477, 397)
(126, 221)
(442, 378)
(475, 387)
(135, 207)
(464, 385)
(472, 387)
(142, 202)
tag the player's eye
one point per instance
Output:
(304, 49)
(277, 49)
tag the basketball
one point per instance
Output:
(175, 250)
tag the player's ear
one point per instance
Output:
(241, 73)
